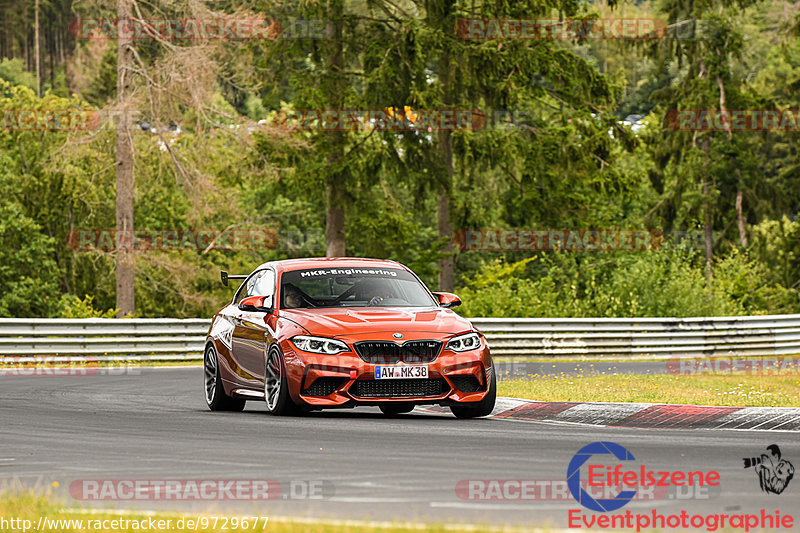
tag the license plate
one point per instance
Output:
(401, 372)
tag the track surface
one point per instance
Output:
(154, 425)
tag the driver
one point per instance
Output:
(292, 298)
(378, 292)
(376, 300)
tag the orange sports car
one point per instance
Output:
(304, 334)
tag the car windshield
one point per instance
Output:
(352, 287)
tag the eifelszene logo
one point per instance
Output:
(605, 479)
(612, 477)
(774, 473)
(574, 477)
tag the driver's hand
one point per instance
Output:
(375, 300)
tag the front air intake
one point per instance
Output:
(389, 353)
(398, 388)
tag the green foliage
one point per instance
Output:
(564, 162)
(776, 243)
(28, 274)
(13, 71)
(253, 107)
(660, 283)
(103, 85)
(70, 306)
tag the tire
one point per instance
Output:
(391, 409)
(481, 408)
(276, 386)
(216, 399)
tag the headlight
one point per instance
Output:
(319, 345)
(462, 343)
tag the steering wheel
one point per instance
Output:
(375, 301)
(308, 301)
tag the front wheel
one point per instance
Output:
(481, 408)
(276, 386)
(216, 399)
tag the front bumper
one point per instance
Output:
(345, 380)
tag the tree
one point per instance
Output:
(124, 164)
(709, 168)
(559, 104)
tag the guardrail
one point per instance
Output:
(102, 337)
(176, 339)
(655, 337)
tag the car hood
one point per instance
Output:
(352, 321)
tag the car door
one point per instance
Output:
(251, 331)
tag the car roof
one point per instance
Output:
(330, 262)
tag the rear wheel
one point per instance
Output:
(276, 386)
(481, 408)
(400, 408)
(216, 399)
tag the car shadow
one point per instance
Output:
(357, 412)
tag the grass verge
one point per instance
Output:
(31, 507)
(730, 389)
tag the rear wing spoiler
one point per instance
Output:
(225, 277)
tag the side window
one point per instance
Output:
(259, 284)
(265, 284)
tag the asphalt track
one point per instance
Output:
(153, 424)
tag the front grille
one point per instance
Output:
(398, 388)
(389, 353)
(466, 383)
(324, 386)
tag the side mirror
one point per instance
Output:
(447, 299)
(259, 304)
(224, 276)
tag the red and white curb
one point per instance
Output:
(648, 415)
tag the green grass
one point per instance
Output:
(729, 389)
(198, 363)
(574, 359)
